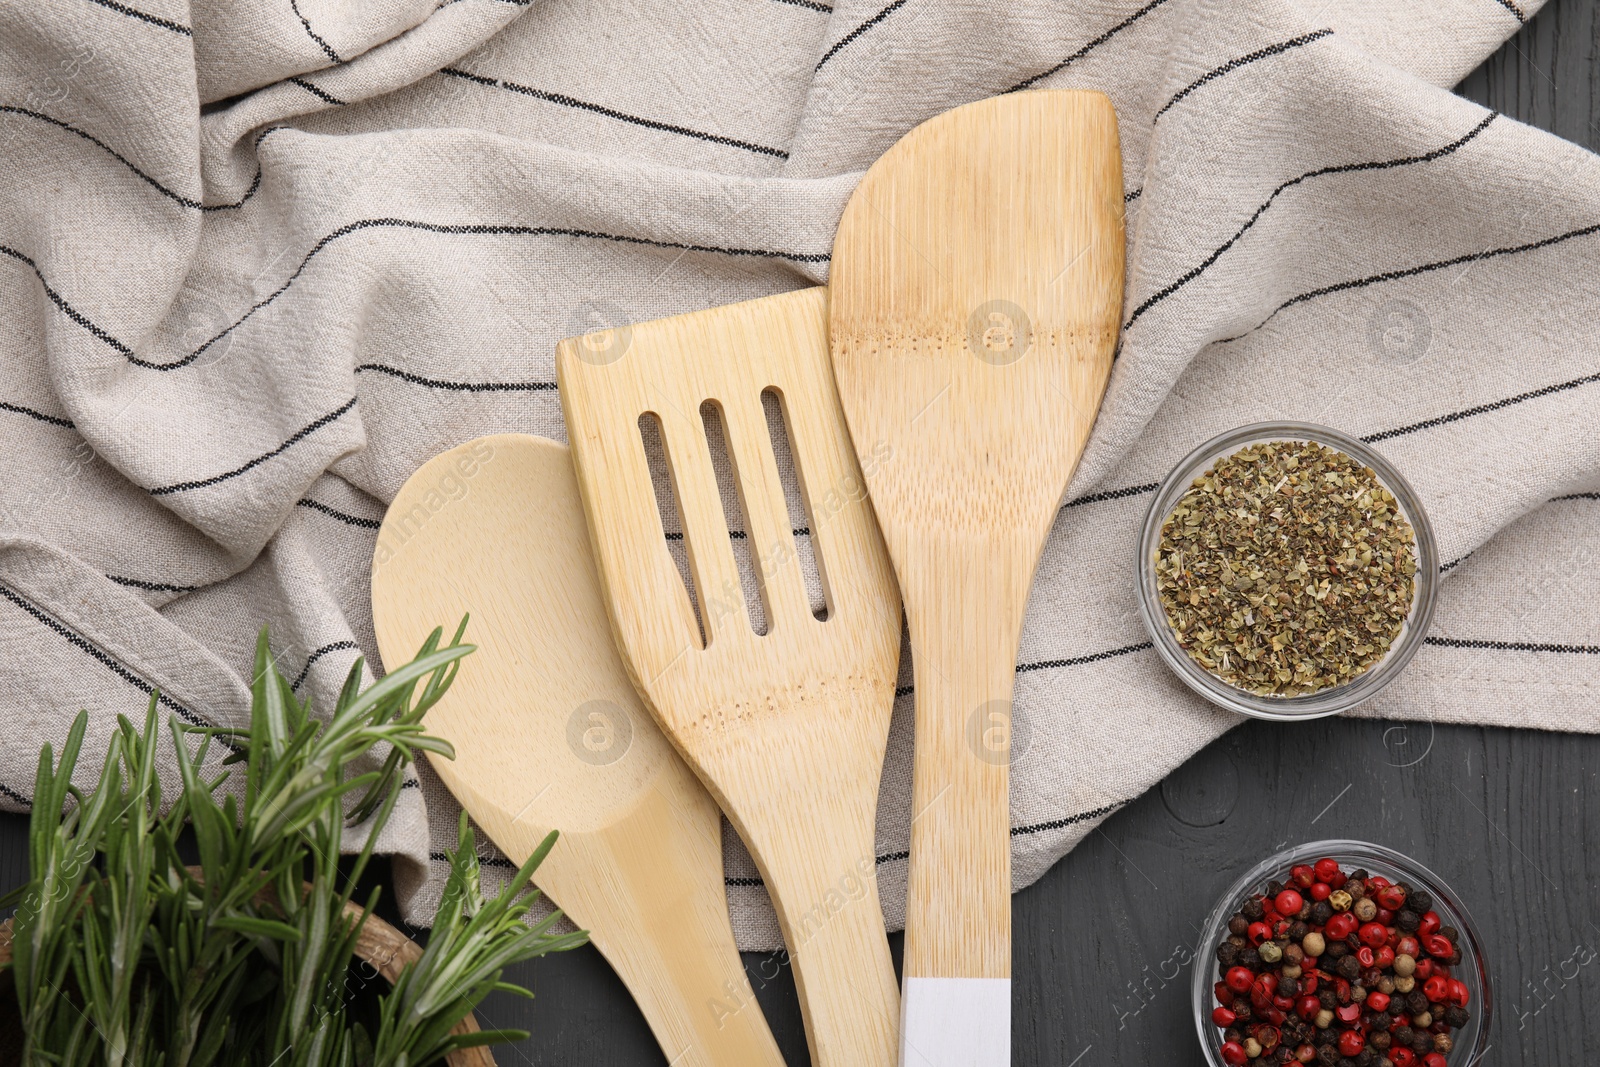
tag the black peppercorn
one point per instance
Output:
(1451, 932)
(1419, 901)
(1455, 1017)
(1328, 1055)
(1408, 920)
(1416, 1002)
(1238, 925)
(1274, 888)
(1337, 950)
(1327, 998)
(1321, 912)
(1380, 1039)
(1346, 1061)
(1233, 1033)
(1366, 1057)
(1382, 1021)
(1421, 1042)
(1298, 930)
(1288, 987)
(1227, 954)
(1252, 910)
(1284, 1054)
(1349, 967)
(1242, 1012)
(1356, 886)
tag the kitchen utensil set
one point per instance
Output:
(972, 315)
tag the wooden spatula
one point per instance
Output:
(975, 291)
(549, 734)
(787, 729)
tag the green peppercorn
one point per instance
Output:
(1270, 951)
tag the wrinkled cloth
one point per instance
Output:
(261, 261)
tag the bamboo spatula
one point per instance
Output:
(975, 291)
(787, 729)
(549, 734)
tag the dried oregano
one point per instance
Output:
(1286, 568)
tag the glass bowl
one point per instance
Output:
(1328, 701)
(1471, 1040)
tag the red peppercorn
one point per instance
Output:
(1348, 1013)
(1288, 902)
(1305, 1053)
(1303, 875)
(1320, 890)
(1439, 945)
(1459, 993)
(1384, 916)
(1351, 1042)
(1327, 870)
(1430, 924)
(1436, 989)
(1239, 979)
(1376, 882)
(1307, 1007)
(1375, 934)
(1365, 957)
(1434, 1059)
(1341, 926)
(1286, 1003)
(1408, 946)
(1233, 1054)
(1378, 1001)
(1402, 1057)
(1223, 1017)
(1383, 959)
(1259, 932)
(1389, 896)
(1424, 970)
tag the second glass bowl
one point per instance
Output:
(1471, 1040)
(1329, 701)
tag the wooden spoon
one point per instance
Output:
(787, 729)
(549, 734)
(975, 292)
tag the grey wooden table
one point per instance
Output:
(1506, 817)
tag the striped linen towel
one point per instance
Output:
(261, 261)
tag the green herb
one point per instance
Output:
(1286, 568)
(123, 955)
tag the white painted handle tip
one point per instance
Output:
(955, 1022)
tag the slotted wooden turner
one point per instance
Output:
(549, 734)
(975, 292)
(787, 729)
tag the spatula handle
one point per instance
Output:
(825, 890)
(957, 994)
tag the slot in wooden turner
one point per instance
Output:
(549, 734)
(975, 292)
(787, 729)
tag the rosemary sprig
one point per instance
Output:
(124, 955)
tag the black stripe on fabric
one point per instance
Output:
(83, 644)
(857, 32)
(483, 861)
(318, 92)
(1482, 409)
(812, 4)
(352, 520)
(14, 795)
(611, 113)
(318, 654)
(255, 183)
(1408, 272)
(1342, 168)
(1070, 820)
(1078, 661)
(66, 309)
(1514, 9)
(53, 420)
(166, 24)
(177, 198)
(327, 49)
(299, 435)
(1445, 568)
(1577, 496)
(1234, 64)
(1511, 646)
(1091, 46)
(411, 783)
(456, 229)
(1131, 197)
(460, 387)
(1113, 494)
(154, 587)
